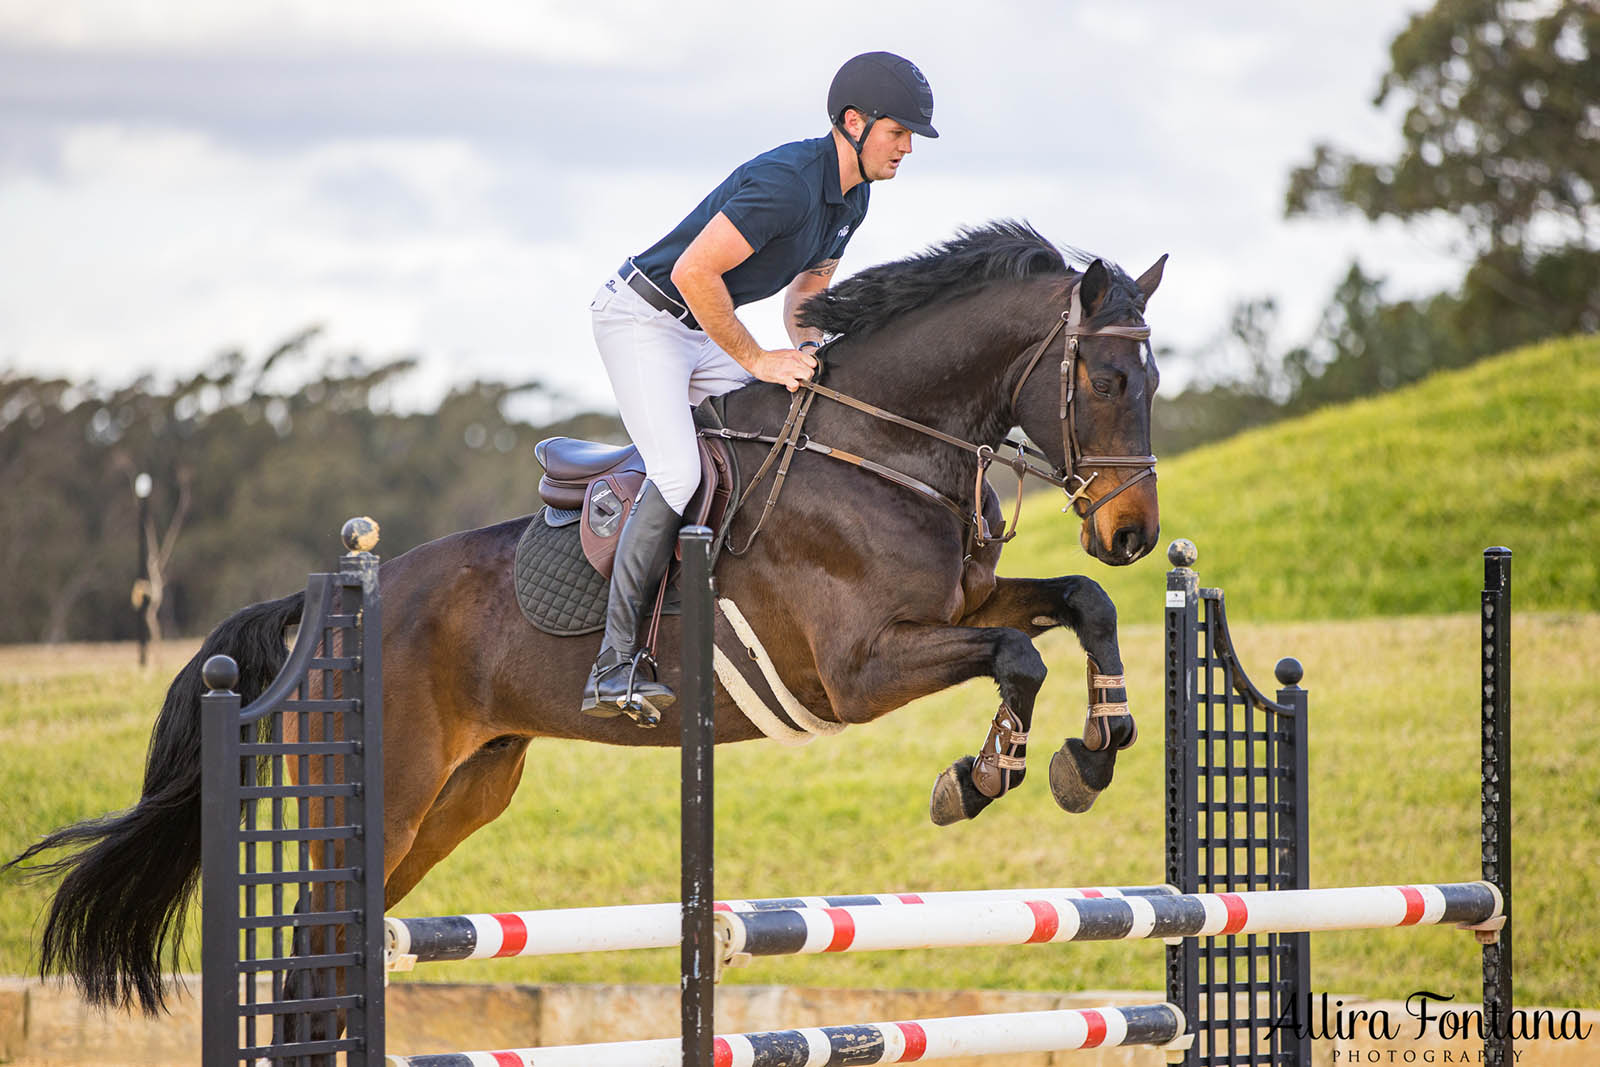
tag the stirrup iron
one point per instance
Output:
(640, 711)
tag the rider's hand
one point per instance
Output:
(787, 367)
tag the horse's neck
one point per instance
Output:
(945, 367)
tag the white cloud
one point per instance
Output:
(552, 29)
(455, 181)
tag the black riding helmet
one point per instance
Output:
(881, 85)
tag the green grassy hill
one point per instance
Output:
(1369, 508)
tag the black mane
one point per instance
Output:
(975, 256)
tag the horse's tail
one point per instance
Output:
(120, 908)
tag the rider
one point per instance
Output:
(666, 328)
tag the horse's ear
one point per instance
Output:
(1092, 290)
(1151, 278)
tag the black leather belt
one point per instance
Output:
(640, 282)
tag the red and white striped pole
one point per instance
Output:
(1002, 922)
(556, 931)
(864, 1044)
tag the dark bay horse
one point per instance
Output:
(865, 594)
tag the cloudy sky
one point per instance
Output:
(454, 180)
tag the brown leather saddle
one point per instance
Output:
(602, 481)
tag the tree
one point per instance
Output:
(1501, 134)
(1366, 345)
(256, 461)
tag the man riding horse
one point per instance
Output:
(666, 329)
(874, 585)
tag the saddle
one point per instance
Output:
(601, 482)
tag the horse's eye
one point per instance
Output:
(1102, 386)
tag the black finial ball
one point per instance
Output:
(360, 534)
(220, 674)
(1289, 671)
(1182, 553)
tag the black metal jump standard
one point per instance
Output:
(292, 838)
(293, 901)
(1236, 815)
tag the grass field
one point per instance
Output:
(1393, 788)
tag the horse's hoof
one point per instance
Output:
(1079, 775)
(954, 796)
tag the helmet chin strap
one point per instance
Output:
(856, 143)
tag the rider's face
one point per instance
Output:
(887, 144)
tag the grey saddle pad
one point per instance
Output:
(557, 589)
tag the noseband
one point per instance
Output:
(1079, 470)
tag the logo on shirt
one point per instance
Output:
(844, 231)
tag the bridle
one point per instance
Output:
(1077, 463)
(1073, 477)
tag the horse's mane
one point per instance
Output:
(1002, 250)
(975, 256)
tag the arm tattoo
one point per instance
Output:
(824, 269)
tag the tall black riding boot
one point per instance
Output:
(622, 680)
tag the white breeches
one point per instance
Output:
(659, 370)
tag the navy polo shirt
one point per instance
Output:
(787, 205)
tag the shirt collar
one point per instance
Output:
(830, 171)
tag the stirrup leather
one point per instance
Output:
(1003, 752)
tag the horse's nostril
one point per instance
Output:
(1127, 541)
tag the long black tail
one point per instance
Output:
(119, 912)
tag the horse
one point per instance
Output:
(865, 591)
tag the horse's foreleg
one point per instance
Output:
(1081, 769)
(911, 660)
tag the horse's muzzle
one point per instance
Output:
(1123, 538)
(1131, 543)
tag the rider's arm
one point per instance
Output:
(808, 282)
(717, 249)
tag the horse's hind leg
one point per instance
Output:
(310, 939)
(1081, 769)
(476, 793)
(417, 777)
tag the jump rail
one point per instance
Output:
(861, 1044)
(290, 900)
(801, 931)
(627, 927)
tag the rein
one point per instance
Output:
(792, 439)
